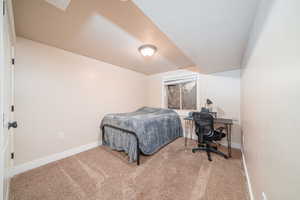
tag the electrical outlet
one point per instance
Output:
(264, 196)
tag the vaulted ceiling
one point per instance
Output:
(107, 30)
(211, 35)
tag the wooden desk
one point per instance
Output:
(189, 129)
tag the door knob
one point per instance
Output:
(12, 124)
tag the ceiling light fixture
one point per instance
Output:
(147, 50)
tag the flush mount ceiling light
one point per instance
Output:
(147, 50)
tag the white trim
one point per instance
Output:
(191, 75)
(11, 21)
(233, 145)
(248, 178)
(8, 189)
(58, 156)
(163, 93)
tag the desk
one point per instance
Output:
(189, 129)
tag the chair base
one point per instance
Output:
(209, 149)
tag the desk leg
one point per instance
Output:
(192, 129)
(228, 129)
(185, 132)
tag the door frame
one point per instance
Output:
(7, 19)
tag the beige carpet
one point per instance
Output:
(174, 173)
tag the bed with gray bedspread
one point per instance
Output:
(154, 127)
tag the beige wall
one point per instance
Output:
(61, 98)
(270, 101)
(222, 88)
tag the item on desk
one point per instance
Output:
(209, 105)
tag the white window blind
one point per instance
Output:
(180, 79)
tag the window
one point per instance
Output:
(189, 95)
(181, 94)
(173, 93)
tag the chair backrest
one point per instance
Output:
(204, 122)
(203, 109)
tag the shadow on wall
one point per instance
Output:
(263, 11)
(227, 74)
(235, 135)
(128, 17)
(220, 111)
(73, 29)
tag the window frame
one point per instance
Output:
(179, 79)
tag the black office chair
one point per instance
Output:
(204, 128)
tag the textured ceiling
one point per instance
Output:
(213, 33)
(107, 30)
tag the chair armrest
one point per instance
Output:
(220, 129)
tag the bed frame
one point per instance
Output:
(138, 151)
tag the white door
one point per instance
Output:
(6, 98)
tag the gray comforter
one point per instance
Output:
(154, 127)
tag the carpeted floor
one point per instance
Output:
(174, 173)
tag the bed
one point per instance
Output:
(144, 131)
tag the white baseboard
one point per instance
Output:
(248, 178)
(58, 156)
(233, 145)
(8, 188)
